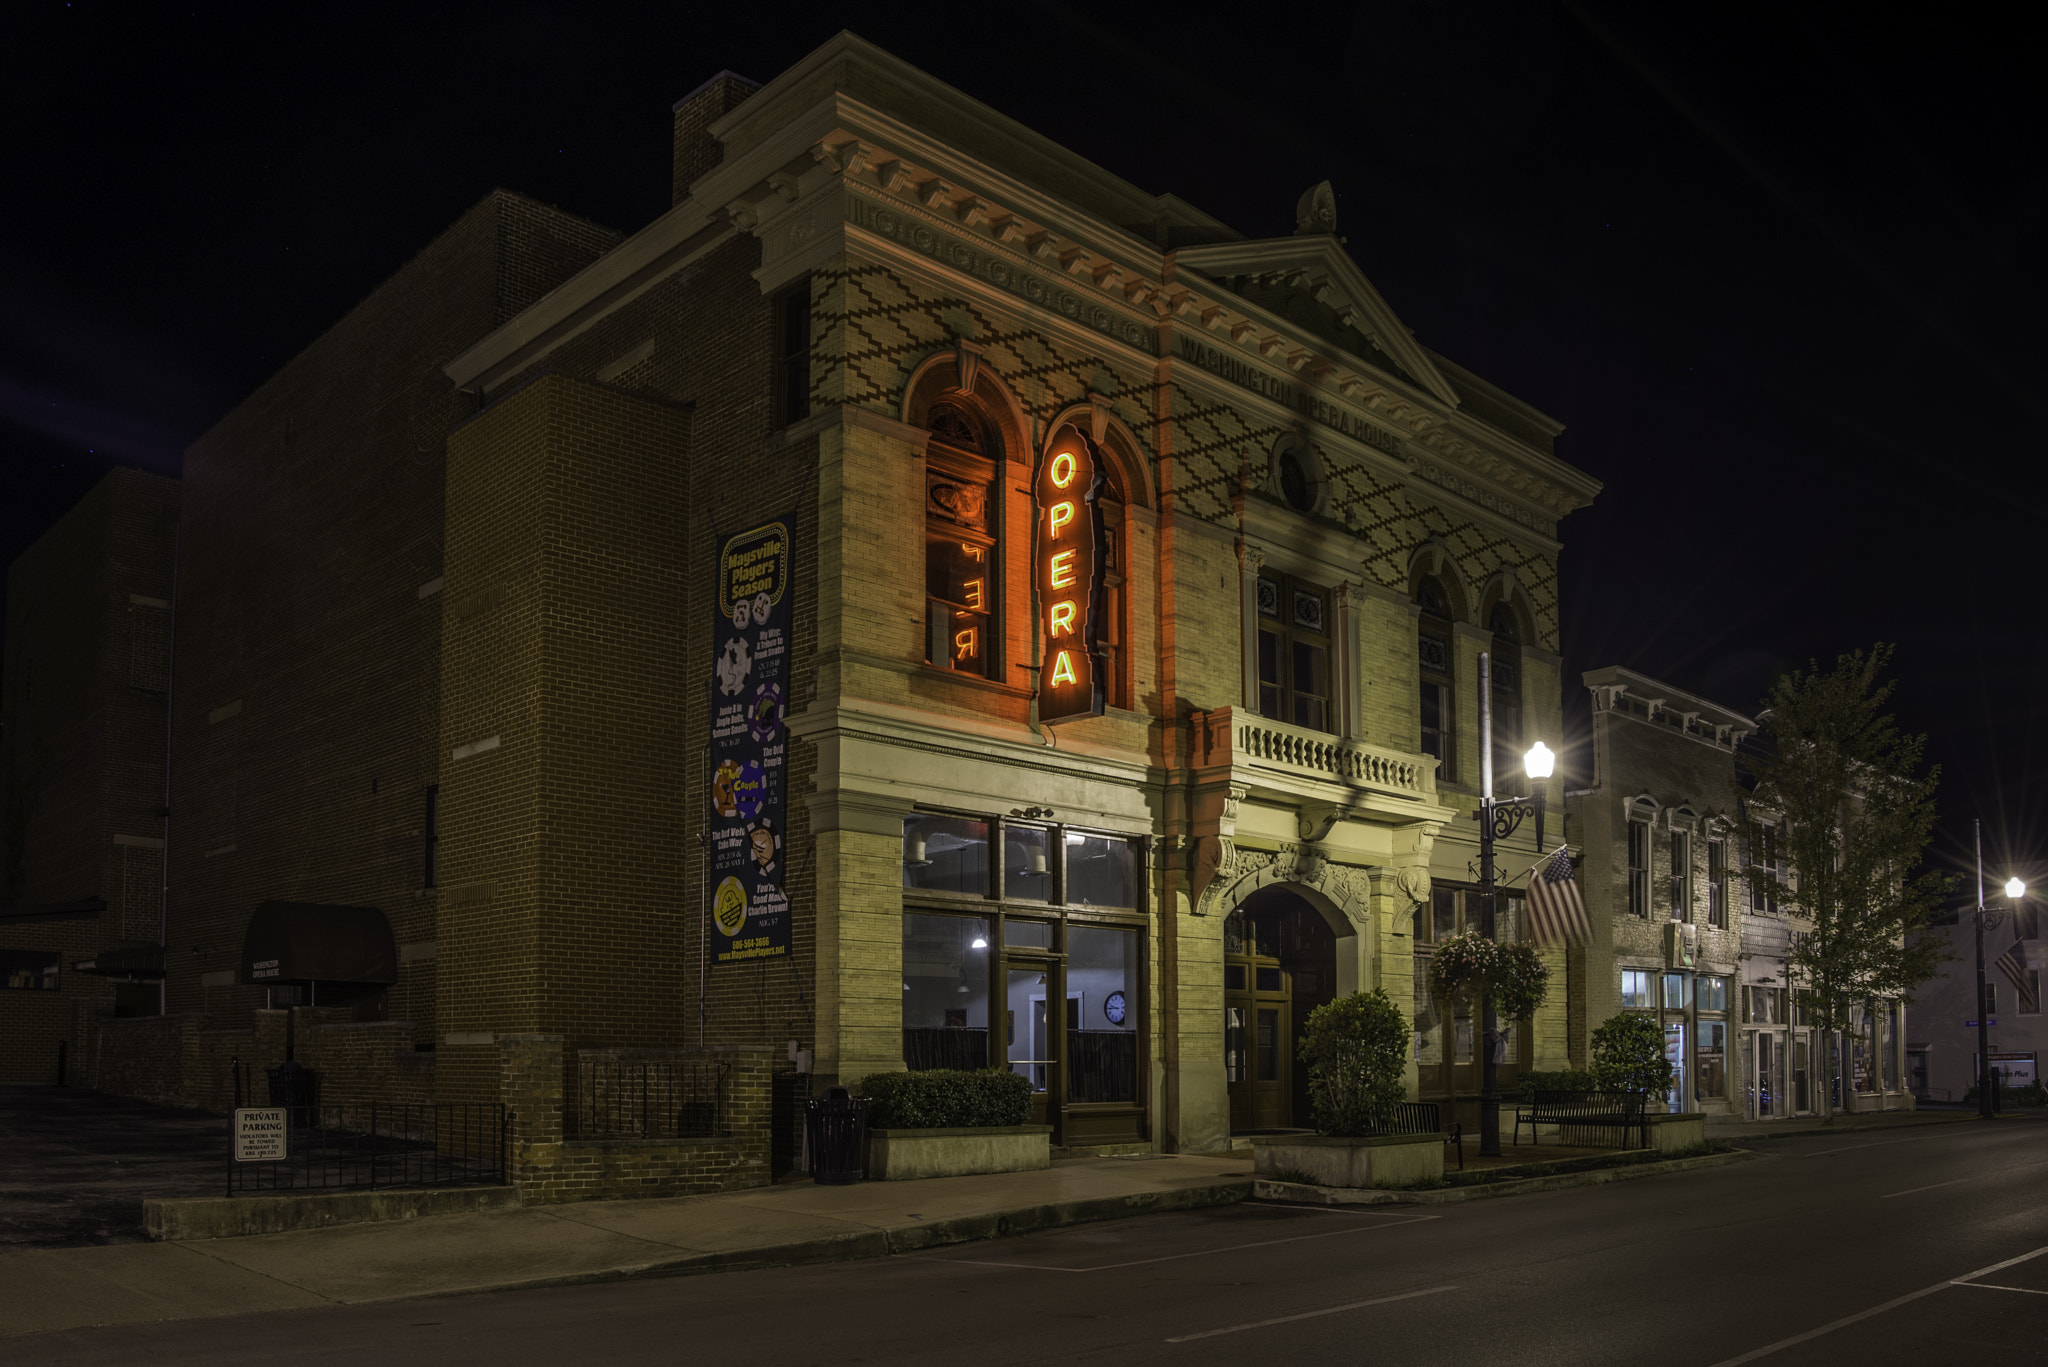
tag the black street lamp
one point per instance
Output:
(2015, 890)
(1497, 821)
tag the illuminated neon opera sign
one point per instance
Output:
(1069, 570)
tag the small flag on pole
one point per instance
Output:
(1557, 912)
(2013, 964)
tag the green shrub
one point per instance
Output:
(1563, 1080)
(946, 1099)
(1628, 1055)
(1356, 1048)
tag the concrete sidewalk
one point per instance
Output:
(70, 1288)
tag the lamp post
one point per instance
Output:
(1498, 821)
(2015, 890)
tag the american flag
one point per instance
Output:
(2013, 964)
(1557, 913)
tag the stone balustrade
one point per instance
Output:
(1239, 738)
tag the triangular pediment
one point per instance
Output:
(1311, 281)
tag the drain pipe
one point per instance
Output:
(163, 901)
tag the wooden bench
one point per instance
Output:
(1423, 1117)
(1611, 1112)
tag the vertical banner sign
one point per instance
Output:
(749, 744)
(1069, 571)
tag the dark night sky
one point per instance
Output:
(1777, 269)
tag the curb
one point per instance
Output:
(185, 1219)
(882, 1243)
(1297, 1193)
(1820, 1127)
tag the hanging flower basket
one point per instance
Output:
(1472, 967)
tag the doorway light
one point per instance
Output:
(979, 943)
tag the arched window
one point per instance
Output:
(1507, 693)
(962, 579)
(1116, 572)
(1433, 667)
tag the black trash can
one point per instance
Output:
(296, 1087)
(837, 1126)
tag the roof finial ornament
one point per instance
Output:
(1316, 211)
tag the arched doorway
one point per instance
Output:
(1279, 964)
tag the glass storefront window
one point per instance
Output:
(1027, 863)
(1429, 1040)
(1712, 993)
(1027, 934)
(945, 854)
(1863, 1054)
(1674, 1054)
(1444, 905)
(1635, 989)
(1028, 1024)
(945, 991)
(1102, 1033)
(1888, 1045)
(1675, 985)
(1713, 1060)
(1101, 871)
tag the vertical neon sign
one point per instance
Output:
(1069, 566)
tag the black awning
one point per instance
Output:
(303, 943)
(136, 961)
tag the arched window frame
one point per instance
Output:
(963, 516)
(1126, 505)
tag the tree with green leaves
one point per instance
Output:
(1356, 1048)
(1628, 1055)
(1853, 803)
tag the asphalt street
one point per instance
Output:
(1927, 1246)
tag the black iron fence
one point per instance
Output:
(950, 1047)
(423, 1144)
(1102, 1065)
(652, 1096)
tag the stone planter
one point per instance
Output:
(1676, 1131)
(1323, 1160)
(900, 1155)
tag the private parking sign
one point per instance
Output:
(262, 1134)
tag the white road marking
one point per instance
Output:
(1311, 1314)
(1994, 1286)
(1965, 1280)
(1384, 1222)
(1931, 1187)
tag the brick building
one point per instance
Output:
(82, 722)
(1680, 934)
(469, 643)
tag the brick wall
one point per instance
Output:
(308, 716)
(550, 1165)
(695, 151)
(186, 1060)
(82, 714)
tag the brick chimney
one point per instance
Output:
(696, 151)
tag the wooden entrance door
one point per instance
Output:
(1258, 1040)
